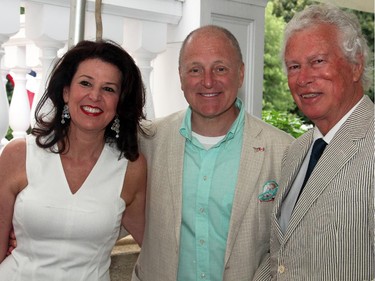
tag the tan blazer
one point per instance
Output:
(331, 231)
(248, 238)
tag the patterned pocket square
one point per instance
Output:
(269, 191)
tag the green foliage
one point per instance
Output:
(367, 23)
(9, 135)
(287, 8)
(288, 122)
(275, 86)
(9, 90)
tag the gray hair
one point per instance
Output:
(213, 28)
(352, 41)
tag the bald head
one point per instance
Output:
(211, 31)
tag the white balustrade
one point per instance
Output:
(145, 40)
(9, 25)
(143, 60)
(49, 38)
(49, 50)
(4, 105)
(150, 30)
(19, 109)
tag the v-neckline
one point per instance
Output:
(84, 183)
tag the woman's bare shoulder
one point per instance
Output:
(13, 163)
(14, 149)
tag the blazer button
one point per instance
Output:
(281, 269)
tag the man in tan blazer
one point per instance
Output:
(250, 151)
(325, 231)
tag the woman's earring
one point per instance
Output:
(65, 114)
(116, 126)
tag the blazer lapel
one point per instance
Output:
(328, 166)
(249, 170)
(174, 164)
(340, 150)
(290, 167)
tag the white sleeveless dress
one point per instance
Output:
(63, 236)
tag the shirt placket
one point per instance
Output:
(202, 224)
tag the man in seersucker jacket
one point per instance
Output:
(325, 230)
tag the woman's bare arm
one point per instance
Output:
(12, 180)
(134, 194)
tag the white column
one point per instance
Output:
(4, 105)
(143, 60)
(49, 50)
(49, 31)
(9, 25)
(19, 110)
(145, 40)
(77, 21)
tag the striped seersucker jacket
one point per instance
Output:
(331, 232)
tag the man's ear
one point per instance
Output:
(358, 68)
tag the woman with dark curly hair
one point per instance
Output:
(68, 186)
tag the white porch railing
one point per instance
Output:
(150, 30)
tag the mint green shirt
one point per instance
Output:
(209, 181)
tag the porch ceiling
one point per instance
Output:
(361, 5)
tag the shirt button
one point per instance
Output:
(202, 241)
(205, 178)
(203, 275)
(201, 210)
(281, 269)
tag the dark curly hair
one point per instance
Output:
(48, 128)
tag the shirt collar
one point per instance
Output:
(329, 136)
(185, 129)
